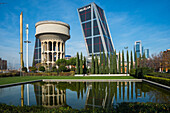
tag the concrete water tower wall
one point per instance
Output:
(53, 35)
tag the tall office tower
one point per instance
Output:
(37, 52)
(147, 53)
(95, 30)
(138, 48)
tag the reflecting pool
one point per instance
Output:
(82, 95)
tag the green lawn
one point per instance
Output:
(9, 80)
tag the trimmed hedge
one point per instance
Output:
(9, 74)
(160, 80)
(158, 74)
(120, 108)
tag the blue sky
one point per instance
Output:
(129, 21)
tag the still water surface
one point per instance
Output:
(81, 95)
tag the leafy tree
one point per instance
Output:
(62, 68)
(104, 71)
(81, 64)
(42, 68)
(100, 66)
(127, 62)
(107, 65)
(115, 58)
(119, 63)
(72, 61)
(96, 65)
(85, 67)
(123, 65)
(136, 62)
(131, 66)
(77, 64)
(61, 62)
(111, 63)
(92, 65)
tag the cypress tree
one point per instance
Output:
(92, 65)
(136, 62)
(100, 66)
(127, 62)
(96, 65)
(104, 71)
(115, 63)
(119, 63)
(123, 65)
(85, 68)
(77, 64)
(81, 64)
(107, 65)
(131, 66)
(139, 61)
(144, 60)
(111, 63)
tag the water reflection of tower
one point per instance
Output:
(99, 95)
(48, 95)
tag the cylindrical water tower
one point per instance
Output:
(53, 35)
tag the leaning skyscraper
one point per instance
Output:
(95, 30)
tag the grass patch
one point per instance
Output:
(10, 80)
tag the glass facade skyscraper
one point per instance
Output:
(147, 53)
(138, 48)
(95, 30)
(37, 52)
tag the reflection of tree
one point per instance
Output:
(99, 94)
(156, 94)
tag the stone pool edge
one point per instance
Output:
(157, 84)
(19, 83)
(88, 80)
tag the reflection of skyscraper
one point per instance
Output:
(95, 30)
(138, 48)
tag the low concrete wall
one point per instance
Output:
(92, 80)
(103, 75)
(157, 84)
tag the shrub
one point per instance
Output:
(158, 74)
(62, 68)
(24, 69)
(33, 69)
(71, 73)
(42, 68)
(160, 80)
(124, 107)
(140, 72)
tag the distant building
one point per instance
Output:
(138, 48)
(3, 64)
(67, 57)
(95, 30)
(146, 53)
